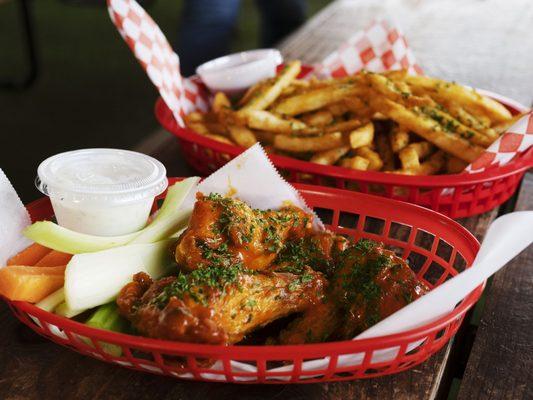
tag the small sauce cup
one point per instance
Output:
(104, 192)
(234, 73)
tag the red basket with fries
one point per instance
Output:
(380, 48)
(457, 195)
(437, 248)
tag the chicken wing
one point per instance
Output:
(216, 305)
(253, 236)
(369, 284)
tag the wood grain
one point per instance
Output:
(501, 362)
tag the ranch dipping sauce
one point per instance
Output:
(104, 192)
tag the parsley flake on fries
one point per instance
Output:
(391, 121)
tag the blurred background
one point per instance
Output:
(89, 90)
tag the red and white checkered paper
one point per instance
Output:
(380, 47)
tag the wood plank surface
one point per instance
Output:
(501, 362)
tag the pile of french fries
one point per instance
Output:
(392, 122)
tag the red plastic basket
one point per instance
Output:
(436, 247)
(457, 196)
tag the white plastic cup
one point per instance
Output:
(104, 192)
(234, 73)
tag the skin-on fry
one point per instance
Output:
(455, 165)
(399, 138)
(267, 95)
(375, 163)
(357, 162)
(318, 118)
(315, 99)
(242, 135)
(471, 101)
(362, 136)
(265, 120)
(301, 144)
(428, 129)
(384, 150)
(330, 157)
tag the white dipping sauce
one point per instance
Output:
(105, 192)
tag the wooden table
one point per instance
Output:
(490, 358)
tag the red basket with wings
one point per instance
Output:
(436, 247)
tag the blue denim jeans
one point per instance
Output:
(207, 26)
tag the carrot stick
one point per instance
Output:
(30, 283)
(53, 259)
(30, 255)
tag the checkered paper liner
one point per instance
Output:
(378, 48)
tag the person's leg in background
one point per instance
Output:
(205, 31)
(279, 18)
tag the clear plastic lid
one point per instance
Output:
(110, 176)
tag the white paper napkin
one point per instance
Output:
(13, 219)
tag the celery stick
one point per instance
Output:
(107, 317)
(93, 279)
(62, 239)
(64, 310)
(170, 218)
(50, 302)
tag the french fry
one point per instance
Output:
(195, 116)
(220, 103)
(375, 163)
(455, 165)
(267, 121)
(395, 90)
(358, 107)
(315, 99)
(433, 165)
(242, 135)
(428, 129)
(503, 126)
(357, 162)
(318, 118)
(199, 127)
(384, 149)
(469, 99)
(399, 138)
(411, 155)
(338, 109)
(219, 138)
(362, 136)
(253, 91)
(267, 95)
(306, 144)
(330, 157)
(265, 137)
(450, 124)
(343, 126)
